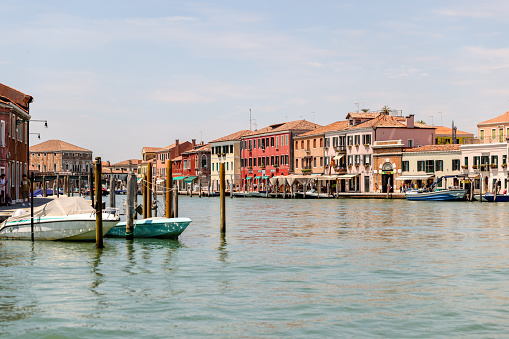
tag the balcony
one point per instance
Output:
(340, 149)
(307, 150)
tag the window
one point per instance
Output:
(321, 142)
(254, 162)
(272, 142)
(250, 162)
(314, 161)
(250, 145)
(327, 161)
(500, 135)
(350, 160)
(314, 143)
(302, 144)
(410, 142)
(2, 134)
(327, 142)
(272, 160)
(286, 159)
(367, 159)
(357, 158)
(421, 166)
(455, 164)
(430, 166)
(366, 139)
(296, 145)
(321, 160)
(231, 148)
(494, 160)
(439, 165)
(493, 134)
(357, 139)
(504, 159)
(350, 140)
(477, 161)
(277, 142)
(296, 163)
(405, 166)
(481, 134)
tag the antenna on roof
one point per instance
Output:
(250, 123)
(357, 104)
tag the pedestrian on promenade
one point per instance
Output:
(25, 189)
(2, 189)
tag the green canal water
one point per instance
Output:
(287, 268)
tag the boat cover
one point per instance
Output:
(60, 207)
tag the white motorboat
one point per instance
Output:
(66, 218)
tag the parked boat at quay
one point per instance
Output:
(452, 193)
(156, 227)
(491, 197)
(66, 218)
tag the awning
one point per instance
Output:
(178, 178)
(265, 177)
(347, 176)
(338, 157)
(414, 177)
(474, 175)
(257, 177)
(189, 179)
(249, 178)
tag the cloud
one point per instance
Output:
(463, 13)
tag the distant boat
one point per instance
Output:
(157, 227)
(490, 197)
(66, 218)
(453, 193)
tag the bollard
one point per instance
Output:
(222, 197)
(149, 190)
(169, 191)
(131, 194)
(99, 205)
(175, 204)
(144, 191)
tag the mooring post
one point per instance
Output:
(149, 190)
(44, 192)
(79, 185)
(98, 205)
(112, 192)
(169, 189)
(145, 199)
(91, 186)
(131, 193)
(58, 186)
(32, 206)
(176, 204)
(222, 197)
(480, 188)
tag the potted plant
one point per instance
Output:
(493, 166)
(356, 145)
(366, 165)
(366, 145)
(474, 166)
(465, 167)
(504, 165)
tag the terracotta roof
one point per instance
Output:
(434, 148)
(151, 149)
(298, 125)
(447, 131)
(203, 148)
(179, 158)
(335, 126)
(20, 99)
(388, 121)
(126, 162)
(55, 146)
(233, 136)
(501, 118)
(362, 115)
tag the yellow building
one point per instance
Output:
(494, 130)
(443, 136)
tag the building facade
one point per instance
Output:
(14, 138)
(269, 152)
(227, 150)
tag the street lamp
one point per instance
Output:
(38, 135)
(45, 122)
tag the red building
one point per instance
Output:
(268, 152)
(14, 119)
(196, 166)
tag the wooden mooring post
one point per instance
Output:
(98, 205)
(112, 192)
(175, 203)
(144, 191)
(169, 189)
(91, 186)
(149, 190)
(32, 178)
(131, 194)
(222, 197)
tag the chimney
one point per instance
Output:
(108, 163)
(410, 121)
(193, 141)
(177, 147)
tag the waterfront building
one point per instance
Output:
(423, 165)
(363, 174)
(120, 170)
(158, 156)
(494, 130)
(59, 157)
(195, 167)
(14, 138)
(227, 150)
(443, 136)
(311, 149)
(488, 161)
(269, 152)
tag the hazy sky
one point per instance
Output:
(114, 76)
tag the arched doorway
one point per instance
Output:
(387, 177)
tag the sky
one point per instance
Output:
(115, 76)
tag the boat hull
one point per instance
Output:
(71, 228)
(445, 195)
(161, 228)
(491, 197)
